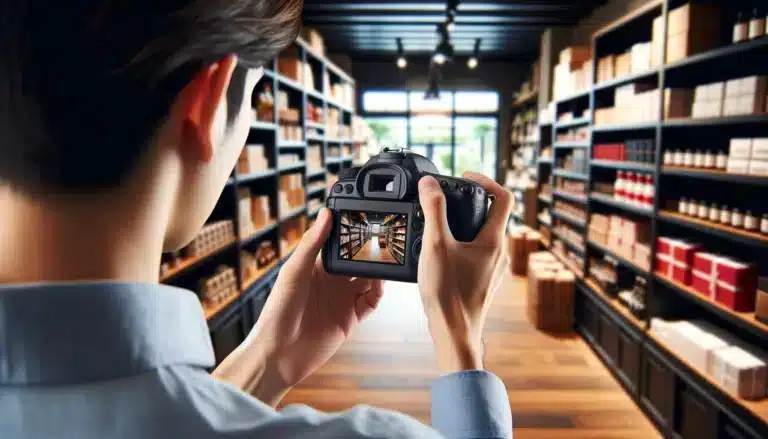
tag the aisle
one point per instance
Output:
(557, 388)
(371, 251)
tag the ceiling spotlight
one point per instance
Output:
(473, 60)
(450, 26)
(438, 58)
(401, 61)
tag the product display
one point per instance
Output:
(570, 210)
(636, 151)
(314, 158)
(523, 241)
(252, 160)
(253, 265)
(627, 238)
(291, 194)
(574, 161)
(692, 28)
(218, 288)
(567, 233)
(637, 189)
(635, 299)
(253, 212)
(550, 299)
(265, 106)
(633, 103)
(291, 232)
(573, 135)
(573, 73)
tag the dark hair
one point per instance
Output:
(85, 84)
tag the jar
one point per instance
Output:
(693, 208)
(737, 219)
(750, 221)
(682, 206)
(669, 158)
(678, 158)
(757, 24)
(698, 159)
(721, 161)
(688, 158)
(725, 215)
(703, 211)
(714, 213)
(709, 160)
(764, 224)
(740, 29)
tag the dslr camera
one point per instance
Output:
(378, 222)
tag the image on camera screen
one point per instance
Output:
(372, 237)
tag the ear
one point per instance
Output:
(201, 98)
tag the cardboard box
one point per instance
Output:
(678, 103)
(657, 42)
(623, 66)
(758, 167)
(761, 302)
(692, 28)
(729, 282)
(694, 345)
(641, 57)
(759, 149)
(740, 372)
(740, 149)
(575, 55)
(738, 166)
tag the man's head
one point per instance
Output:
(94, 94)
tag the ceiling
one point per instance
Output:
(509, 29)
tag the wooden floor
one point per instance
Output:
(557, 387)
(371, 251)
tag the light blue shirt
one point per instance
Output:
(127, 361)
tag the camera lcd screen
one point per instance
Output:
(372, 237)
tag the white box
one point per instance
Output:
(752, 85)
(740, 372)
(699, 110)
(733, 88)
(717, 91)
(758, 167)
(760, 149)
(740, 148)
(738, 166)
(700, 94)
(694, 344)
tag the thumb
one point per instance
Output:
(306, 252)
(432, 202)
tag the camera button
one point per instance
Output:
(418, 213)
(338, 188)
(466, 189)
(416, 250)
(443, 184)
(417, 225)
(349, 188)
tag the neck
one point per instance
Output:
(78, 238)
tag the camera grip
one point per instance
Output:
(466, 206)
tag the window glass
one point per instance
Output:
(385, 101)
(386, 131)
(442, 104)
(477, 101)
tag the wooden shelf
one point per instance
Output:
(572, 245)
(259, 233)
(292, 167)
(569, 218)
(605, 199)
(759, 409)
(749, 119)
(721, 230)
(624, 127)
(570, 197)
(614, 304)
(711, 174)
(626, 262)
(259, 275)
(190, 262)
(293, 213)
(572, 123)
(741, 318)
(210, 312)
(568, 174)
(629, 166)
(255, 175)
(571, 144)
(626, 79)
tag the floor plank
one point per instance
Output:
(557, 387)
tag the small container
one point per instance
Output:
(669, 158)
(725, 215)
(740, 29)
(764, 224)
(714, 213)
(698, 159)
(703, 211)
(737, 219)
(682, 206)
(693, 208)
(678, 158)
(721, 161)
(688, 158)
(750, 221)
(709, 160)
(756, 24)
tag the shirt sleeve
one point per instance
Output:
(471, 405)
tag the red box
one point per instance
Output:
(679, 250)
(672, 269)
(727, 281)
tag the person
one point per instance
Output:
(120, 122)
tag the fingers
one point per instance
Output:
(498, 215)
(367, 302)
(306, 253)
(432, 202)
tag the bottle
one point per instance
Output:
(669, 158)
(737, 219)
(725, 215)
(764, 224)
(682, 206)
(629, 189)
(678, 158)
(619, 186)
(693, 208)
(756, 24)
(698, 159)
(721, 161)
(709, 160)
(650, 189)
(703, 211)
(750, 221)
(740, 29)
(714, 213)
(688, 158)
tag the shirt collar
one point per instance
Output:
(77, 332)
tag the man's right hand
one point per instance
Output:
(458, 280)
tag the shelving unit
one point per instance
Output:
(659, 380)
(232, 318)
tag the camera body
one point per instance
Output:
(377, 218)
